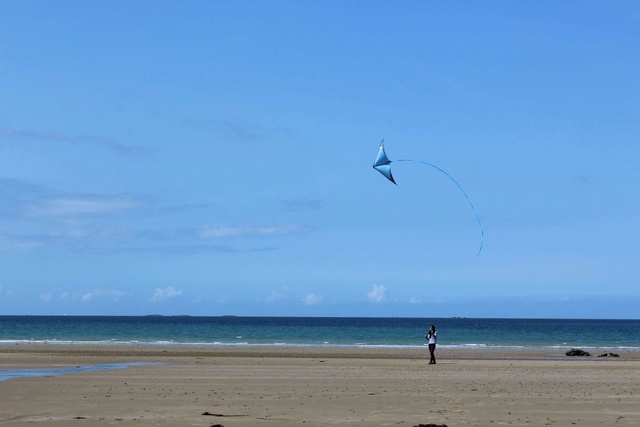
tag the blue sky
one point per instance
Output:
(214, 157)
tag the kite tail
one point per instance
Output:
(463, 192)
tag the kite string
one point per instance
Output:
(463, 192)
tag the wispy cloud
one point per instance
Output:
(16, 195)
(10, 243)
(21, 199)
(225, 231)
(84, 205)
(163, 294)
(19, 135)
(278, 295)
(111, 294)
(48, 218)
(241, 130)
(378, 293)
(63, 219)
(177, 209)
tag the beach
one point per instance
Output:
(316, 386)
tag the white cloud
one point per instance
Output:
(414, 300)
(278, 295)
(112, 294)
(223, 231)
(274, 297)
(378, 293)
(46, 297)
(162, 294)
(312, 299)
(85, 205)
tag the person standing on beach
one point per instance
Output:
(432, 337)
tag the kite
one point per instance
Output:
(383, 165)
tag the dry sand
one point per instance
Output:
(317, 387)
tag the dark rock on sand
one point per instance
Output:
(209, 414)
(430, 425)
(577, 352)
(609, 355)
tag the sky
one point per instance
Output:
(215, 158)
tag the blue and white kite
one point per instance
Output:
(383, 165)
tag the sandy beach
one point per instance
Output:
(284, 386)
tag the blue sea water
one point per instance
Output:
(322, 331)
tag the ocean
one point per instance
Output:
(461, 333)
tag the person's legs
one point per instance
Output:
(432, 349)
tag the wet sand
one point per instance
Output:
(280, 386)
